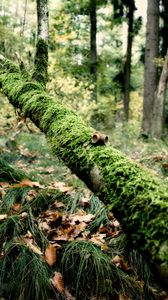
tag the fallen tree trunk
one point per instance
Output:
(137, 198)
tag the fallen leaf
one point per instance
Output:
(24, 214)
(17, 207)
(25, 182)
(87, 218)
(98, 239)
(53, 217)
(50, 169)
(50, 255)
(119, 261)
(61, 186)
(104, 247)
(58, 282)
(68, 295)
(29, 241)
(4, 184)
(43, 225)
(31, 195)
(3, 217)
(85, 202)
(58, 204)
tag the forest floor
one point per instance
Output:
(83, 217)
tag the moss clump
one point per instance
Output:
(41, 62)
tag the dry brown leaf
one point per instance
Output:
(87, 218)
(85, 202)
(53, 217)
(24, 214)
(61, 186)
(31, 195)
(50, 169)
(58, 204)
(43, 226)
(29, 241)
(119, 261)
(50, 255)
(26, 182)
(98, 239)
(3, 217)
(81, 226)
(17, 207)
(4, 184)
(58, 282)
(68, 295)
(62, 238)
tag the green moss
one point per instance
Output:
(41, 62)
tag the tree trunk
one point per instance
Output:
(164, 27)
(150, 76)
(127, 71)
(93, 46)
(137, 199)
(41, 56)
(159, 105)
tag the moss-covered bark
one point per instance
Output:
(135, 196)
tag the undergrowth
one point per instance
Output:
(93, 257)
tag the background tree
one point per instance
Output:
(124, 10)
(158, 120)
(150, 75)
(93, 46)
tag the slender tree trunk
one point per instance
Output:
(42, 20)
(127, 69)
(164, 27)
(137, 199)
(159, 105)
(41, 56)
(93, 46)
(150, 76)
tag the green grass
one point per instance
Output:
(90, 273)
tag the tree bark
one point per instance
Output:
(159, 105)
(150, 76)
(137, 198)
(93, 46)
(41, 56)
(127, 69)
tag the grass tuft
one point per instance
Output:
(89, 272)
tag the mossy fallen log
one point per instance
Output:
(136, 197)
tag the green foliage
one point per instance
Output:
(8, 173)
(83, 262)
(23, 274)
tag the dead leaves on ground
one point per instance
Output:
(58, 282)
(50, 255)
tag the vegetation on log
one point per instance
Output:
(136, 197)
